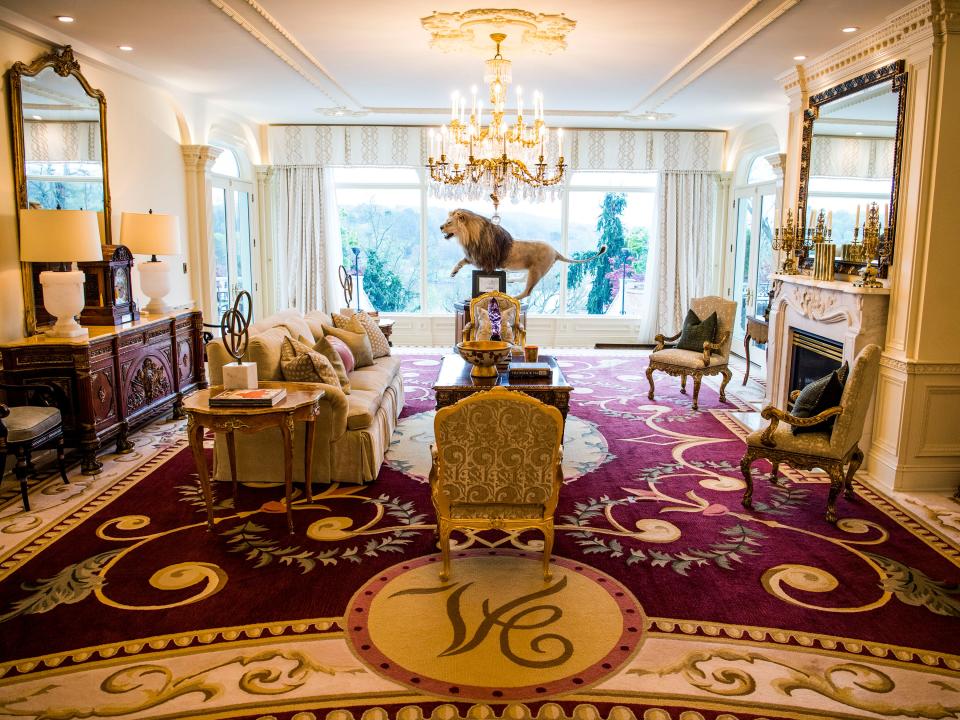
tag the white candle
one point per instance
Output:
(830, 220)
(856, 223)
(886, 214)
(519, 103)
(473, 110)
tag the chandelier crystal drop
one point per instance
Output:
(519, 161)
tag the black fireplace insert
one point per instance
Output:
(812, 357)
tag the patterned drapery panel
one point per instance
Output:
(600, 150)
(852, 157)
(299, 203)
(61, 141)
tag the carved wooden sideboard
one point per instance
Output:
(116, 380)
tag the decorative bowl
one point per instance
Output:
(484, 356)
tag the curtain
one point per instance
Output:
(301, 200)
(683, 262)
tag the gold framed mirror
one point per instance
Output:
(59, 132)
(850, 157)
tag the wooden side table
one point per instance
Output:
(301, 403)
(386, 327)
(757, 328)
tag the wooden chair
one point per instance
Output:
(508, 305)
(830, 451)
(28, 427)
(496, 464)
(712, 360)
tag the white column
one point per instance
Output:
(197, 161)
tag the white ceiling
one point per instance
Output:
(709, 63)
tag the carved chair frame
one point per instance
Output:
(682, 371)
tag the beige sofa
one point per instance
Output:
(353, 430)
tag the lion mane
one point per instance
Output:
(485, 245)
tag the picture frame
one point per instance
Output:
(484, 282)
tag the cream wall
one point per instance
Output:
(145, 166)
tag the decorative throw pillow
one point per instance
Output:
(341, 321)
(345, 355)
(326, 348)
(696, 331)
(484, 324)
(358, 343)
(301, 363)
(378, 341)
(819, 395)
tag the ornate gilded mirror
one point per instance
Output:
(850, 157)
(58, 124)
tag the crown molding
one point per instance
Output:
(283, 56)
(914, 24)
(689, 70)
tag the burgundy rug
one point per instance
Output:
(674, 596)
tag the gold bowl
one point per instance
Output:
(484, 356)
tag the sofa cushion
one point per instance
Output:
(345, 355)
(362, 406)
(371, 326)
(316, 319)
(686, 358)
(376, 377)
(325, 346)
(264, 350)
(29, 421)
(358, 343)
(301, 363)
(298, 327)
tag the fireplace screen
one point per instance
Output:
(812, 357)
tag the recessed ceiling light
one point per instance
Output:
(799, 57)
(850, 29)
(858, 133)
(651, 117)
(126, 48)
(65, 18)
(36, 117)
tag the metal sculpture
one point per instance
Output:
(346, 282)
(235, 327)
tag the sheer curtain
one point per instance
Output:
(682, 259)
(306, 224)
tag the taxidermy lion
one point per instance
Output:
(489, 247)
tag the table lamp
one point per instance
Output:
(61, 236)
(152, 234)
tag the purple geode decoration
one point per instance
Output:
(495, 319)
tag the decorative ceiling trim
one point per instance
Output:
(669, 89)
(240, 20)
(471, 29)
(290, 38)
(636, 109)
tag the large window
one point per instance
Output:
(65, 184)
(392, 219)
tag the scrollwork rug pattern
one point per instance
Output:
(668, 600)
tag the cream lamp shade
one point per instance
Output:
(59, 236)
(150, 233)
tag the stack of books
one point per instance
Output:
(258, 397)
(519, 370)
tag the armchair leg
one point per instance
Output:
(650, 381)
(855, 461)
(444, 532)
(61, 465)
(836, 485)
(683, 385)
(21, 471)
(696, 389)
(547, 550)
(774, 471)
(747, 500)
(723, 386)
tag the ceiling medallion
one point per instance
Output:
(540, 32)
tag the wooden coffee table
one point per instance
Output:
(455, 383)
(301, 403)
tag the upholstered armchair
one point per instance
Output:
(27, 427)
(512, 330)
(712, 360)
(829, 450)
(496, 464)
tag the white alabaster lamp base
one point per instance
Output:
(240, 376)
(155, 283)
(63, 298)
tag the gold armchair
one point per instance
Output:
(512, 331)
(712, 360)
(496, 465)
(830, 451)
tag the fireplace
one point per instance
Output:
(811, 357)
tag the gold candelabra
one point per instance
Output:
(874, 247)
(788, 239)
(503, 157)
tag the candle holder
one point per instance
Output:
(874, 244)
(788, 239)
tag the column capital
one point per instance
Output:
(200, 157)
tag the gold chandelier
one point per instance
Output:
(466, 158)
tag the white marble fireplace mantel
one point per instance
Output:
(839, 311)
